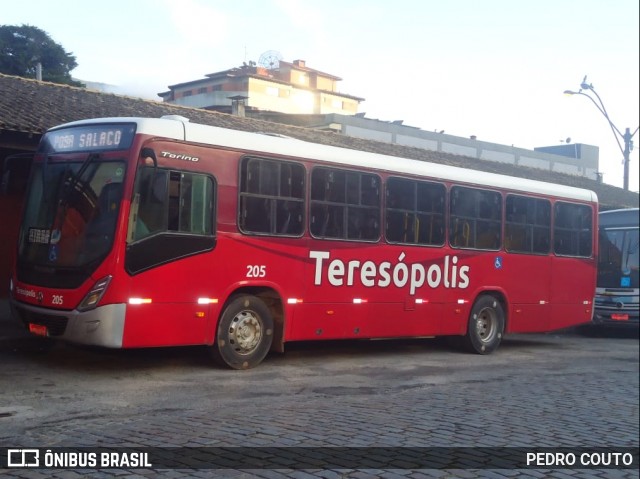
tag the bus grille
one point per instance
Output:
(56, 325)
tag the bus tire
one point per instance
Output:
(244, 335)
(486, 325)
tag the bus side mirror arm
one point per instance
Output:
(133, 219)
(149, 153)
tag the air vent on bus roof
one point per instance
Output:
(174, 117)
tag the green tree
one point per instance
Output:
(23, 47)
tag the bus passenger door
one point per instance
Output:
(529, 289)
(574, 264)
(571, 300)
(170, 242)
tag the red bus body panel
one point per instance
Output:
(384, 290)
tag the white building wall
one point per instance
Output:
(499, 156)
(534, 162)
(459, 149)
(564, 168)
(370, 129)
(367, 134)
(417, 142)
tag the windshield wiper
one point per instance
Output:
(85, 164)
(75, 179)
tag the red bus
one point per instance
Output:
(141, 232)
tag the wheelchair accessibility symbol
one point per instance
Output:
(53, 253)
(498, 262)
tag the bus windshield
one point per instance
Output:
(70, 213)
(618, 259)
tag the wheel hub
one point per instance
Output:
(486, 325)
(245, 332)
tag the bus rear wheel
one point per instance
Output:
(486, 325)
(245, 333)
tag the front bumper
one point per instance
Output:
(102, 326)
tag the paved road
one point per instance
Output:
(536, 391)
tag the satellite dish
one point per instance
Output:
(270, 59)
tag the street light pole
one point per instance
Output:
(626, 137)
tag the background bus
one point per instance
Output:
(617, 287)
(14, 171)
(158, 232)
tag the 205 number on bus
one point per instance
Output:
(256, 271)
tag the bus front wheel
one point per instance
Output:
(486, 325)
(245, 333)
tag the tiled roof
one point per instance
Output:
(32, 106)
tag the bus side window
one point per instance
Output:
(153, 192)
(172, 201)
(572, 229)
(415, 212)
(460, 233)
(289, 217)
(528, 225)
(175, 194)
(255, 214)
(344, 205)
(476, 218)
(400, 210)
(271, 199)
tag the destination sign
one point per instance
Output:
(98, 137)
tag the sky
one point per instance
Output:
(496, 69)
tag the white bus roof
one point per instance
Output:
(179, 128)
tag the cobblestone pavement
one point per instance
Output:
(536, 391)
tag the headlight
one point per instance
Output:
(94, 296)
